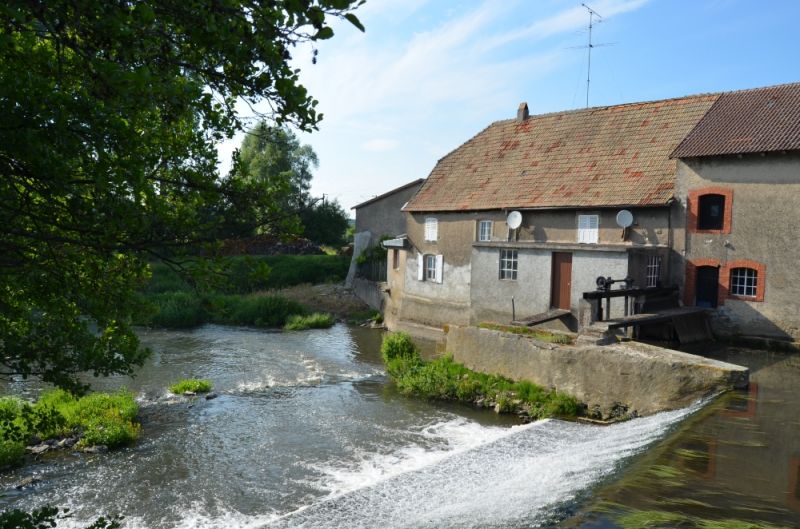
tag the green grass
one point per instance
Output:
(185, 309)
(247, 274)
(360, 316)
(195, 385)
(98, 418)
(316, 320)
(539, 334)
(668, 520)
(445, 379)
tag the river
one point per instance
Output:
(306, 432)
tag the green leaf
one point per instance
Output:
(354, 20)
(324, 33)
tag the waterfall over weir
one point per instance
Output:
(306, 433)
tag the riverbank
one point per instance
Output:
(293, 291)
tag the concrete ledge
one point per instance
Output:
(630, 376)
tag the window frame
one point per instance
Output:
(588, 234)
(653, 271)
(705, 206)
(490, 230)
(431, 229)
(429, 267)
(745, 279)
(508, 264)
(395, 259)
(693, 209)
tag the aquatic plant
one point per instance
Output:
(445, 379)
(316, 320)
(193, 385)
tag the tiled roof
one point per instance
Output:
(388, 193)
(747, 121)
(604, 156)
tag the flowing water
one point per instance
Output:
(306, 432)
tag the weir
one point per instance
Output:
(615, 381)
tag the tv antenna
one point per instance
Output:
(592, 16)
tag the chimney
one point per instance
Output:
(522, 112)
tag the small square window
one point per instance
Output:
(588, 228)
(744, 282)
(508, 264)
(431, 229)
(485, 230)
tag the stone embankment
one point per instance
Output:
(614, 381)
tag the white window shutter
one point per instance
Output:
(420, 267)
(439, 268)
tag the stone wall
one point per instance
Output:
(628, 376)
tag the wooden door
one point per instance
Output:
(707, 286)
(561, 280)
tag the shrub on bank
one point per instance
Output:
(97, 418)
(317, 320)
(194, 385)
(445, 379)
(185, 309)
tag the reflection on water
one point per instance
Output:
(739, 459)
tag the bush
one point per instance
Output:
(398, 345)
(317, 320)
(195, 385)
(100, 418)
(445, 379)
(176, 310)
(262, 311)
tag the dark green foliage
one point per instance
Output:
(445, 379)
(177, 310)
(110, 116)
(184, 309)
(312, 321)
(290, 270)
(195, 385)
(47, 517)
(263, 311)
(325, 222)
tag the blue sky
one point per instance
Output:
(429, 74)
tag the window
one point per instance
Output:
(653, 271)
(431, 229)
(710, 212)
(395, 259)
(588, 228)
(744, 282)
(508, 264)
(485, 230)
(430, 267)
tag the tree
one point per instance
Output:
(273, 156)
(111, 112)
(324, 222)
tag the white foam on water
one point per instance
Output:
(448, 439)
(516, 479)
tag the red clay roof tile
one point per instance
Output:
(597, 157)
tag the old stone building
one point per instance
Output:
(569, 175)
(737, 186)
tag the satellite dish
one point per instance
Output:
(514, 220)
(624, 218)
